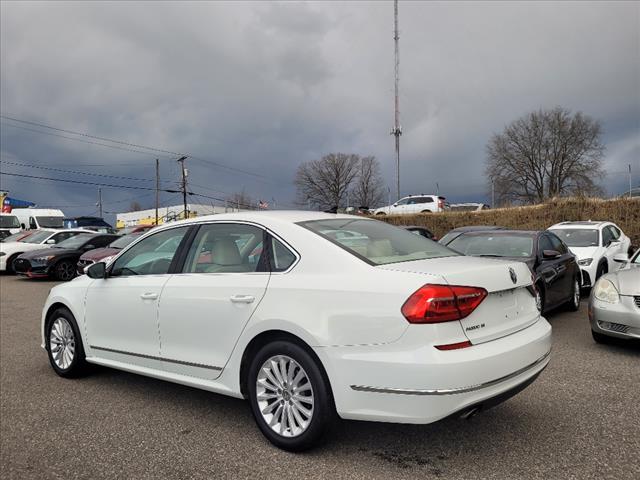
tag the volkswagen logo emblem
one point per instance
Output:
(512, 274)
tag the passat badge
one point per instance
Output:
(512, 274)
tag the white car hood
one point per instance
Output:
(586, 252)
(13, 247)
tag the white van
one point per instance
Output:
(9, 224)
(34, 218)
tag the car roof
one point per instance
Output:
(523, 233)
(581, 224)
(473, 228)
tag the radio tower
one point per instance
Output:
(397, 129)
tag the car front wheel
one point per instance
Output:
(290, 397)
(64, 345)
(64, 271)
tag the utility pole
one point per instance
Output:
(100, 200)
(493, 194)
(397, 129)
(157, 188)
(184, 185)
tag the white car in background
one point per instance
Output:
(414, 204)
(595, 244)
(9, 224)
(38, 240)
(307, 315)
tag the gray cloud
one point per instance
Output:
(264, 86)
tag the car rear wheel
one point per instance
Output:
(64, 271)
(64, 344)
(574, 301)
(10, 268)
(290, 397)
(540, 298)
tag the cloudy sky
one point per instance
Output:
(260, 87)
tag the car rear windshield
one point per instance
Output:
(50, 222)
(491, 245)
(9, 221)
(578, 237)
(376, 242)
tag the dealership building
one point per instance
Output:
(168, 214)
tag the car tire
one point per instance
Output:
(601, 270)
(574, 300)
(64, 345)
(64, 271)
(302, 398)
(10, 260)
(380, 213)
(600, 338)
(425, 211)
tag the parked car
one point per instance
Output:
(95, 224)
(39, 239)
(9, 224)
(135, 229)
(60, 260)
(414, 204)
(595, 244)
(394, 328)
(17, 237)
(469, 207)
(105, 254)
(37, 218)
(614, 304)
(555, 271)
(424, 231)
(456, 232)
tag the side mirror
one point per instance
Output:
(611, 242)
(621, 258)
(97, 270)
(550, 254)
(51, 241)
(394, 205)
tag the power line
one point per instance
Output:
(42, 167)
(86, 183)
(127, 144)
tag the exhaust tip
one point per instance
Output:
(471, 412)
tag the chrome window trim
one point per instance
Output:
(152, 357)
(452, 391)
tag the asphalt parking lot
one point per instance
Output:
(581, 419)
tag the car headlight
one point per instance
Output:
(585, 262)
(605, 291)
(43, 259)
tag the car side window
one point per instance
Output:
(151, 256)
(557, 244)
(607, 236)
(282, 257)
(544, 244)
(615, 231)
(403, 201)
(426, 200)
(226, 248)
(59, 237)
(32, 223)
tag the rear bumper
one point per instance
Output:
(410, 381)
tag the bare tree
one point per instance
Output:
(368, 190)
(135, 206)
(241, 200)
(325, 182)
(545, 154)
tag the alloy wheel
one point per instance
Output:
(65, 271)
(576, 293)
(285, 396)
(62, 343)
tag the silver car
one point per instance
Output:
(614, 305)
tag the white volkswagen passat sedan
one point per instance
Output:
(275, 307)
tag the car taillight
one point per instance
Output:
(442, 303)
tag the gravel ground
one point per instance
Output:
(580, 419)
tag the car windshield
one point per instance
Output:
(76, 241)
(376, 242)
(9, 221)
(123, 241)
(50, 222)
(492, 245)
(14, 237)
(578, 237)
(38, 237)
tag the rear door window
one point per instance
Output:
(281, 257)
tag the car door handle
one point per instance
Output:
(149, 296)
(242, 298)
